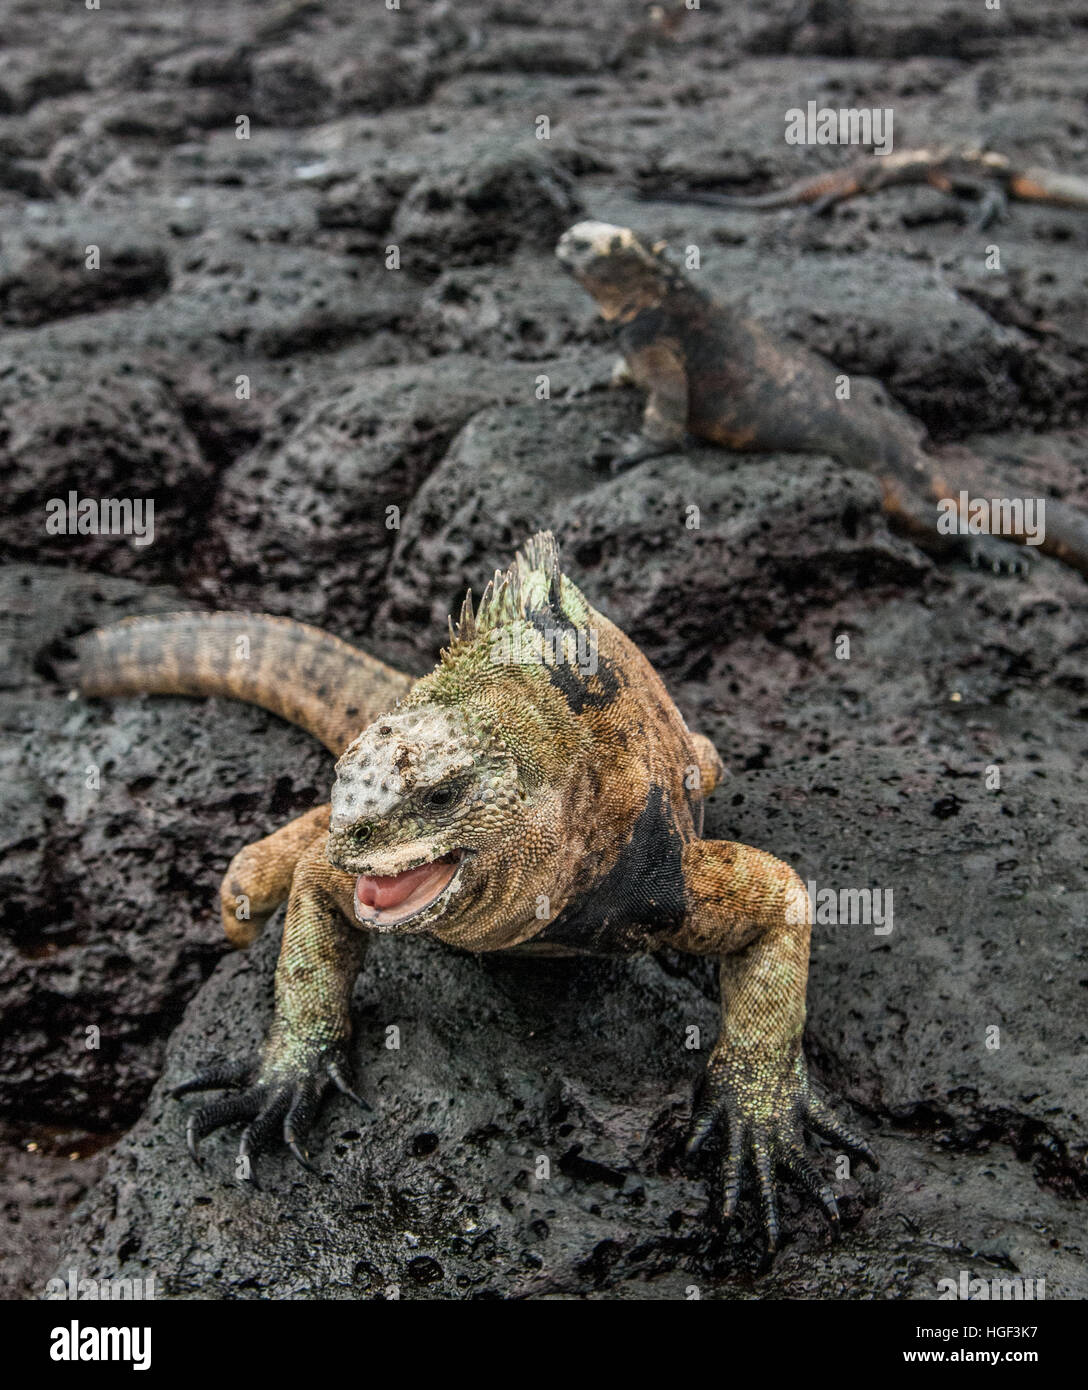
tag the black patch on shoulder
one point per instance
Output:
(648, 326)
(580, 689)
(640, 899)
(683, 310)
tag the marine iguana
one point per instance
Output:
(971, 169)
(541, 762)
(712, 373)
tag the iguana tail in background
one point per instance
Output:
(1063, 528)
(1066, 534)
(304, 675)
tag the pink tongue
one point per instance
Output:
(382, 893)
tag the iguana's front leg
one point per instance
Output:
(307, 1045)
(259, 876)
(753, 911)
(659, 369)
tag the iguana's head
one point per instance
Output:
(621, 274)
(451, 811)
(416, 795)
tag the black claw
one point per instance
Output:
(300, 1153)
(340, 1081)
(704, 1120)
(191, 1142)
(730, 1173)
(298, 1119)
(731, 1178)
(264, 1125)
(824, 1122)
(219, 1076)
(700, 1132)
(856, 1145)
(767, 1195)
(214, 1116)
(799, 1168)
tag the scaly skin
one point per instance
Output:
(538, 789)
(711, 373)
(304, 675)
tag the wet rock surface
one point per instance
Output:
(353, 445)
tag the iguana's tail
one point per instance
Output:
(304, 675)
(1062, 528)
(1066, 534)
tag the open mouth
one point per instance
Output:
(389, 900)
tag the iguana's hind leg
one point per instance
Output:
(753, 911)
(259, 876)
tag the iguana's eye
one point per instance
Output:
(443, 795)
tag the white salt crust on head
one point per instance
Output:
(396, 755)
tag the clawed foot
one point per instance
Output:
(764, 1123)
(619, 454)
(280, 1099)
(585, 386)
(1002, 557)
